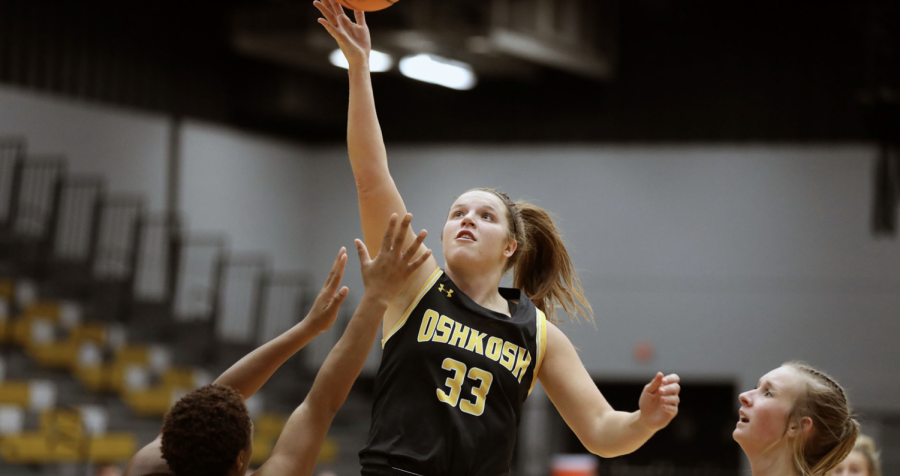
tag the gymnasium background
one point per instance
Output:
(726, 177)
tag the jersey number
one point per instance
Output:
(455, 383)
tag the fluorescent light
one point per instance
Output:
(437, 70)
(378, 62)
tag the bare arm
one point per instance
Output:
(251, 372)
(298, 447)
(378, 194)
(601, 429)
(148, 461)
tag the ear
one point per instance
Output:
(510, 249)
(241, 457)
(802, 427)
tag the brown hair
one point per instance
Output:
(543, 269)
(205, 431)
(834, 430)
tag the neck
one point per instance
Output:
(778, 461)
(481, 288)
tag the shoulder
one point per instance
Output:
(148, 461)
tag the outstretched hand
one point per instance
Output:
(659, 400)
(352, 38)
(387, 274)
(325, 308)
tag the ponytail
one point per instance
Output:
(542, 268)
(834, 430)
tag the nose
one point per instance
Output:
(745, 399)
(468, 221)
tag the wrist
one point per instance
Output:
(642, 424)
(374, 300)
(360, 64)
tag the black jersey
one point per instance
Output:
(452, 380)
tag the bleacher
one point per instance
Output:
(110, 313)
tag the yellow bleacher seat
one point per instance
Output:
(7, 289)
(96, 378)
(262, 449)
(269, 424)
(15, 393)
(263, 446)
(64, 354)
(6, 331)
(38, 448)
(151, 402)
(44, 309)
(61, 422)
(180, 377)
(111, 448)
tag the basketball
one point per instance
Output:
(367, 5)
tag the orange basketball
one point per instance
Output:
(367, 5)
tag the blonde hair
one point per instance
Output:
(542, 268)
(866, 447)
(834, 430)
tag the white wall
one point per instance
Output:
(253, 189)
(729, 260)
(128, 148)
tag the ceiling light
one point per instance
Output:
(378, 62)
(442, 71)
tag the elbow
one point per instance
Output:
(605, 450)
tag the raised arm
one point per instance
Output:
(378, 195)
(251, 372)
(602, 430)
(298, 447)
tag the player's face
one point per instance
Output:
(763, 417)
(854, 464)
(475, 234)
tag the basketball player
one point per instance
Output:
(797, 421)
(209, 433)
(460, 353)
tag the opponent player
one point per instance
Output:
(209, 433)
(797, 421)
(461, 354)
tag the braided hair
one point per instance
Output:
(834, 430)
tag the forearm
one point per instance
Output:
(249, 374)
(616, 433)
(346, 359)
(365, 144)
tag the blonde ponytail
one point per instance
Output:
(542, 268)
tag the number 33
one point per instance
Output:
(455, 383)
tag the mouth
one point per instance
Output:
(465, 235)
(743, 418)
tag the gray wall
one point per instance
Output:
(128, 148)
(253, 189)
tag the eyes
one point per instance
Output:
(484, 216)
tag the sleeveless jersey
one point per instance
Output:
(450, 388)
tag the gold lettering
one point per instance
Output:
(460, 332)
(509, 355)
(494, 347)
(476, 342)
(429, 321)
(522, 364)
(444, 326)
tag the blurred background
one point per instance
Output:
(174, 185)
